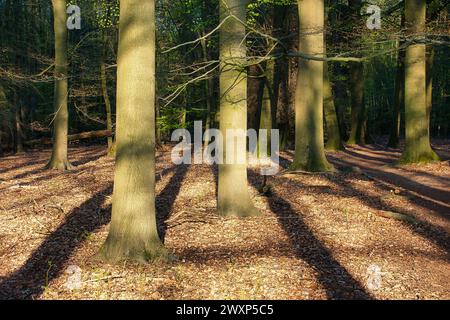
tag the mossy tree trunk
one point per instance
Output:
(417, 137)
(309, 136)
(233, 195)
(133, 232)
(61, 116)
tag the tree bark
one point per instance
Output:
(59, 158)
(309, 136)
(417, 143)
(133, 232)
(233, 196)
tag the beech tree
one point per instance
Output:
(417, 136)
(309, 137)
(59, 158)
(233, 196)
(133, 233)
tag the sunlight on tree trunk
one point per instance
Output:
(417, 144)
(61, 116)
(233, 195)
(309, 133)
(133, 232)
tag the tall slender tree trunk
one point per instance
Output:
(209, 88)
(19, 130)
(334, 141)
(104, 78)
(399, 98)
(266, 116)
(429, 83)
(399, 102)
(233, 196)
(357, 131)
(133, 232)
(358, 112)
(417, 143)
(309, 136)
(61, 116)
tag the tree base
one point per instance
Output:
(320, 166)
(415, 157)
(114, 252)
(334, 146)
(238, 211)
(59, 165)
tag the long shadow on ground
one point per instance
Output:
(47, 261)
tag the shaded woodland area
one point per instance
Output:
(93, 205)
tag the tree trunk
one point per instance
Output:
(103, 77)
(399, 102)
(61, 117)
(334, 141)
(357, 131)
(417, 143)
(309, 139)
(266, 120)
(18, 125)
(233, 196)
(133, 232)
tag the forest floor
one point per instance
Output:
(319, 235)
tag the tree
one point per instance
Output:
(309, 140)
(233, 196)
(61, 116)
(133, 232)
(334, 141)
(417, 143)
(358, 112)
(399, 95)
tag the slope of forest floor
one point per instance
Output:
(319, 235)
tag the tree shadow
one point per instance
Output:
(420, 190)
(435, 234)
(47, 261)
(338, 283)
(166, 199)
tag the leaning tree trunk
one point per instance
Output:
(61, 116)
(133, 232)
(233, 196)
(417, 142)
(309, 139)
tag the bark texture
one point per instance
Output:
(133, 232)
(417, 137)
(233, 196)
(309, 135)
